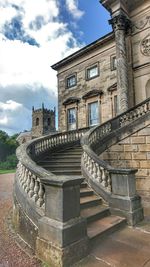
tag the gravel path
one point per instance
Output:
(10, 253)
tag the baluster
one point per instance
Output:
(25, 179)
(32, 183)
(104, 183)
(89, 163)
(40, 201)
(36, 190)
(94, 170)
(108, 180)
(28, 182)
(100, 172)
(23, 176)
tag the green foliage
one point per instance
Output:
(7, 171)
(8, 145)
(10, 163)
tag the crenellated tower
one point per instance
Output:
(43, 121)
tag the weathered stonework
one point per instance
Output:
(43, 121)
(133, 152)
(120, 25)
(131, 26)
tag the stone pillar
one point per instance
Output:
(120, 24)
(62, 239)
(124, 200)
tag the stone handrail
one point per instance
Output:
(99, 138)
(29, 175)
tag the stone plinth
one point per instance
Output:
(62, 238)
(124, 200)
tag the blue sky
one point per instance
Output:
(33, 36)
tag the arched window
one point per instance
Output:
(48, 121)
(37, 121)
(148, 89)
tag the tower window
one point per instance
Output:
(37, 121)
(48, 121)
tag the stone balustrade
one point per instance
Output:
(102, 177)
(124, 119)
(31, 184)
(43, 214)
(43, 144)
(29, 174)
(97, 171)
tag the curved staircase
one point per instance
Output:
(65, 196)
(100, 222)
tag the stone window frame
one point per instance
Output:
(37, 121)
(91, 67)
(90, 100)
(69, 77)
(98, 118)
(113, 65)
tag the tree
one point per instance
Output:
(8, 145)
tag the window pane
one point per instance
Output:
(93, 114)
(113, 63)
(92, 72)
(71, 119)
(71, 81)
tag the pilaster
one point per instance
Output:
(121, 24)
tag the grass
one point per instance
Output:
(7, 171)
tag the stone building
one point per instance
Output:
(110, 75)
(43, 121)
(77, 186)
(107, 77)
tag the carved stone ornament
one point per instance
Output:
(145, 46)
(120, 22)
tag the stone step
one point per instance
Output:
(105, 226)
(84, 192)
(90, 201)
(62, 166)
(61, 160)
(83, 185)
(60, 156)
(67, 153)
(65, 171)
(78, 148)
(95, 213)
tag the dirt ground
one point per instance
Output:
(11, 255)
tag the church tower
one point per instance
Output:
(43, 121)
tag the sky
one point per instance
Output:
(34, 34)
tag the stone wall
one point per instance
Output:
(141, 50)
(134, 152)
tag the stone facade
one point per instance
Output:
(101, 55)
(122, 80)
(130, 44)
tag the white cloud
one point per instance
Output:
(6, 14)
(25, 74)
(72, 6)
(10, 105)
(10, 116)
